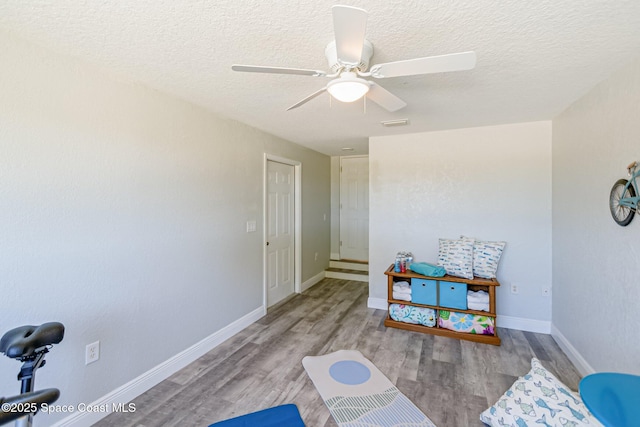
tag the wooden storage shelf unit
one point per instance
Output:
(475, 284)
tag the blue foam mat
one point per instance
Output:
(278, 416)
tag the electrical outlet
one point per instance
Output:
(514, 289)
(92, 353)
(546, 292)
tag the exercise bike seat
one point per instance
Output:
(25, 341)
(39, 398)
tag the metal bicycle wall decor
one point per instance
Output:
(623, 199)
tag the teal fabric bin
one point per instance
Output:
(424, 291)
(452, 295)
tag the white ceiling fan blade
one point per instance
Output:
(308, 98)
(431, 64)
(349, 26)
(277, 70)
(384, 98)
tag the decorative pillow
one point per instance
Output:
(456, 256)
(486, 257)
(410, 314)
(539, 398)
(465, 322)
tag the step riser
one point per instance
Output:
(346, 276)
(349, 265)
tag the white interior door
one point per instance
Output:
(354, 208)
(280, 231)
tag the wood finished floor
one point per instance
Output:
(451, 381)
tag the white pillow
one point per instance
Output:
(539, 398)
(486, 257)
(456, 256)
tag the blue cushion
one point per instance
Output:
(612, 397)
(278, 416)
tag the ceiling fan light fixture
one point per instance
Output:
(349, 55)
(348, 87)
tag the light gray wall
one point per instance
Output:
(596, 263)
(123, 215)
(492, 183)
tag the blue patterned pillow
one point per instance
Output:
(456, 256)
(539, 398)
(486, 257)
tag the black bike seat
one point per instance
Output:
(18, 406)
(23, 341)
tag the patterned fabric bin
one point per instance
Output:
(465, 322)
(410, 314)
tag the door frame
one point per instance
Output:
(297, 224)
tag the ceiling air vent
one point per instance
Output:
(392, 123)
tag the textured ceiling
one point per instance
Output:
(534, 57)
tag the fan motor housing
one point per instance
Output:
(335, 65)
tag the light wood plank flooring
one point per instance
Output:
(451, 381)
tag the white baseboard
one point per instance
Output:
(312, 281)
(521, 324)
(144, 382)
(379, 303)
(576, 358)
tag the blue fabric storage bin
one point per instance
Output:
(424, 291)
(453, 295)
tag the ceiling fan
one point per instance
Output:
(349, 55)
